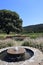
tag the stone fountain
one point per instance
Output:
(19, 55)
(15, 54)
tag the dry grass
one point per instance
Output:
(37, 42)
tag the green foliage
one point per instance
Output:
(3, 45)
(39, 46)
(9, 44)
(33, 29)
(2, 37)
(33, 35)
(10, 21)
(26, 43)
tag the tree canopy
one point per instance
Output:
(10, 21)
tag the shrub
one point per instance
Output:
(9, 44)
(38, 46)
(3, 45)
(33, 36)
(26, 43)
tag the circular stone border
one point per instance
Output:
(37, 57)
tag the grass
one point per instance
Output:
(3, 45)
(33, 40)
(4, 35)
(33, 35)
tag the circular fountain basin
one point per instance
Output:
(30, 55)
(16, 54)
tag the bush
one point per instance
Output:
(3, 45)
(38, 46)
(26, 43)
(33, 36)
(9, 44)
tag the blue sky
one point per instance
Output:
(31, 11)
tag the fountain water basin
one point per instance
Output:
(16, 54)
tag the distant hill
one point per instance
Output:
(33, 28)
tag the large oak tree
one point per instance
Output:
(10, 21)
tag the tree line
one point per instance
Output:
(33, 28)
